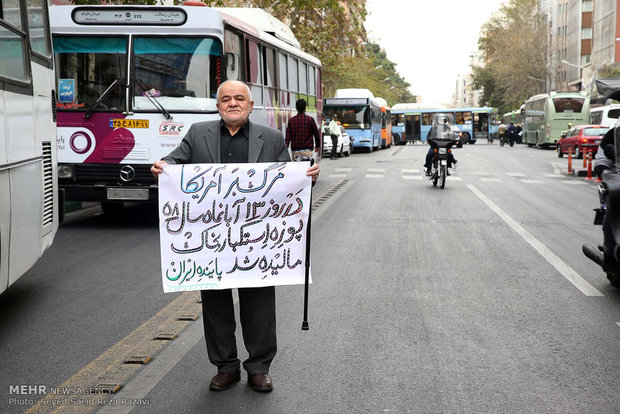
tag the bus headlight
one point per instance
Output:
(66, 171)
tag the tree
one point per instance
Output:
(514, 48)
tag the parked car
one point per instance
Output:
(344, 146)
(580, 139)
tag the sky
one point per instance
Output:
(429, 40)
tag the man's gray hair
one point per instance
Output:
(217, 94)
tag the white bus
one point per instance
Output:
(28, 193)
(133, 79)
(605, 115)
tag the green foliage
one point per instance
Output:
(514, 48)
(611, 70)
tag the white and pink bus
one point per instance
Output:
(131, 80)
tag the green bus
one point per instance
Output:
(548, 115)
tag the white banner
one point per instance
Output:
(225, 226)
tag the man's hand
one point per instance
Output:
(312, 172)
(158, 167)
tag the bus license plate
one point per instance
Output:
(128, 194)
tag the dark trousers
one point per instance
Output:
(257, 308)
(429, 159)
(334, 145)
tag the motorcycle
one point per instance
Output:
(441, 137)
(609, 197)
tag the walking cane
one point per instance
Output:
(304, 324)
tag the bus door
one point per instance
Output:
(412, 127)
(481, 125)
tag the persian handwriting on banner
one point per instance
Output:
(233, 225)
(196, 181)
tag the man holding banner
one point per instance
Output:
(232, 140)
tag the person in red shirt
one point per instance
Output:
(300, 132)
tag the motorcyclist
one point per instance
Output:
(439, 130)
(601, 163)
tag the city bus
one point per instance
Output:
(386, 123)
(547, 116)
(29, 196)
(133, 79)
(364, 117)
(474, 123)
(406, 119)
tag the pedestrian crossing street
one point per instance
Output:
(470, 176)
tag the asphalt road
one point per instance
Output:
(474, 298)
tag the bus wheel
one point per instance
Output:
(112, 209)
(472, 142)
(466, 138)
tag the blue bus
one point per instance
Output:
(411, 124)
(362, 118)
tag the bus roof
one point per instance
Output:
(263, 21)
(354, 93)
(553, 94)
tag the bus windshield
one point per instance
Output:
(568, 104)
(85, 69)
(351, 117)
(180, 72)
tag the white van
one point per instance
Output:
(605, 115)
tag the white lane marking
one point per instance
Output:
(533, 181)
(412, 177)
(555, 175)
(377, 169)
(564, 269)
(453, 178)
(410, 171)
(490, 180)
(343, 169)
(337, 175)
(556, 168)
(516, 174)
(481, 173)
(374, 176)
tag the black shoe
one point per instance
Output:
(260, 382)
(224, 380)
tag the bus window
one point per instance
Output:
(283, 72)
(462, 117)
(232, 50)
(427, 118)
(303, 78)
(568, 104)
(11, 12)
(85, 69)
(596, 117)
(181, 72)
(254, 72)
(293, 80)
(351, 117)
(13, 63)
(39, 37)
(269, 66)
